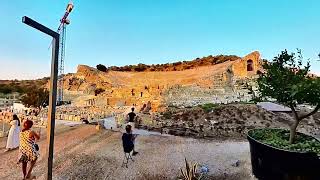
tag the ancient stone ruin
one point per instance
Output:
(221, 83)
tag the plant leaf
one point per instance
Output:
(187, 165)
(183, 174)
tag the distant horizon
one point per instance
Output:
(123, 32)
(94, 66)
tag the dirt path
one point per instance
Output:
(83, 153)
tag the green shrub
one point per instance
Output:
(279, 138)
(208, 107)
(167, 115)
(102, 67)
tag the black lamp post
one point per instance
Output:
(53, 88)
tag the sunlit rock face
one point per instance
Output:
(220, 83)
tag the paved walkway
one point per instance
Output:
(82, 152)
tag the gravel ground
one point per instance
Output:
(82, 152)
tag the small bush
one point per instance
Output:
(208, 107)
(98, 91)
(102, 68)
(167, 115)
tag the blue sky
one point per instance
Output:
(120, 32)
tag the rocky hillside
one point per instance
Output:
(218, 83)
(226, 121)
(217, 79)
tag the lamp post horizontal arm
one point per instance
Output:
(39, 27)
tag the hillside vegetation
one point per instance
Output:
(21, 86)
(176, 66)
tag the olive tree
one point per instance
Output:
(288, 81)
(36, 97)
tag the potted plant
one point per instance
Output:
(281, 153)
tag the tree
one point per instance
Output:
(5, 89)
(36, 97)
(288, 81)
(102, 68)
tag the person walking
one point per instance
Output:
(29, 150)
(128, 140)
(131, 118)
(13, 136)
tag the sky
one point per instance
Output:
(121, 32)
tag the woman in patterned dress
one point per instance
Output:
(28, 150)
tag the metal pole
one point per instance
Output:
(52, 105)
(53, 89)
